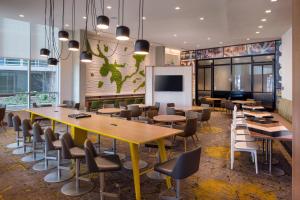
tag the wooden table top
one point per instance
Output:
(213, 99)
(141, 105)
(243, 102)
(257, 114)
(253, 107)
(288, 137)
(109, 110)
(120, 129)
(169, 118)
(191, 108)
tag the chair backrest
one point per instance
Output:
(2, 113)
(77, 106)
(16, 123)
(49, 139)
(125, 114)
(191, 114)
(37, 131)
(205, 105)
(9, 119)
(122, 105)
(108, 105)
(26, 127)
(171, 111)
(66, 144)
(135, 110)
(69, 103)
(206, 115)
(90, 156)
(190, 127)
(187, 164)
(152, 113)
(170, 104)
(157, 105)
(34, 105)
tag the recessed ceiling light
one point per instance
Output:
(220, 42)
(144, 18)
(198, 45)
(175, 35)
(263, 20)
(67, 25)
(84, 17)
(201, 18)
(108, 7)
(257, 32)
(248, 39)
(21, 16)
(208, 38)
(184, 42)
(260, 26)
(177, 8)
(273, 0)
(268, 11)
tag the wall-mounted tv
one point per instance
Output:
(169, 83)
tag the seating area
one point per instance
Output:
(149, 100)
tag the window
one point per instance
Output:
(257, 78)
(222, 78)
(241, 77)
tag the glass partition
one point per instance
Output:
(241, 77)
(222, 78)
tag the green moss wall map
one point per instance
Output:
(115, 69)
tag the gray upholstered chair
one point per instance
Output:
(135, 111)
(170, 111)
(189, 130)
(170, 104)
(70, 151)
(180, 168)
(33, 133)
(34, 105)
(101, 164)
(206, 113)
(9, 119)
(68, 103)
(2, 116)
(19, 137)
(77, 106)
(125, 114)
(123, 105)
(52, 143)
(108, 105)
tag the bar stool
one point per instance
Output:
(10, 124)
(180, 168)
(19, 138)
(69, 151)
(101, 164)
(52, 143)
(49, 160)
(33, 134)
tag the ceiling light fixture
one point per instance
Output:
(144, 18)
(44, 52)
(220, 42)
(248, 39)
(102, 20)
(268, 11)
(201, 18)
(67, 25)
(175, 35)
(273, 0)
(109, 7)
(184, 42)
(54, 53)
(260, 26)
(257, 32)
(21, 16)
(177, 8)
(263, 20)
(85, 55)
(208, 38)
(84, 17)
(141, 46)
(122, 32)
(62, 34)
(73, 44)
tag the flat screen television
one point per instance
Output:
(170, 83)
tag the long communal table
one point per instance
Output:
(133, 133)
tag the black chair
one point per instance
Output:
(180, 168)
(68, 103)
(189, 130)
(77, 106)
(19, 138)
(69, 151)
(170, 104)
(101, 164)
(9, 119)
(2, 116)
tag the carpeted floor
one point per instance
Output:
(214, 180)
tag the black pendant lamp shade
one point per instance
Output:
(52, 61)
(102, 22)
(73, 45)
(86, 57)
(44, 52)
(63, 36)
(141, 47)
(122, 33)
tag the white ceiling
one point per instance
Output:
(225, 22)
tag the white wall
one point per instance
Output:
(286, 64)
(183, 98)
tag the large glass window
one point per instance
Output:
(268, 78)
(204, 79)
(222, 78)
(241, 77)
(257, 78)
(21, 64)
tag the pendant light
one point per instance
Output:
(86, 56)
(141, 46)
(52, 61)
(122, 32)
(102, 20)
(73, 44)
(62, 34)
(44, 52)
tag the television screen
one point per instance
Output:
(168, 83)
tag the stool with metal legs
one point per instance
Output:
(49, 161)
(62, 173)
(32, 137)
(69, 151)
(19, 139)
(101, 164)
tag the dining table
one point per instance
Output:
(170, 119)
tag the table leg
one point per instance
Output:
(78, 135)
(32, 117)
(53, 125)
(270, 156)
(163, 157)
(134, 153)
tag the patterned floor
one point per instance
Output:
(214, 180)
